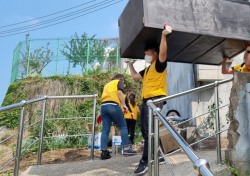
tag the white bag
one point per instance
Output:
(97, 142)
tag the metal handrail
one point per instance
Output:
(26, 102)
(13, 135)
(203, 139)
(6, 139)
(6, 164)
(21, 128)
(197, 116)
(21, 104)
(200, 165)
(208, 86)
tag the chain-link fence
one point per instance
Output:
(50, 57)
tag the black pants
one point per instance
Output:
(144, 127)
(131, 129)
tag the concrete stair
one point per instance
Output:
(120, 165)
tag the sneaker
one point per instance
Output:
(128, 151)
(141, 168)
(105, 155)
(161, 160)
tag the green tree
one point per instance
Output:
(40, 58)
(34, 61)
(85, 51)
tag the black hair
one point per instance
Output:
(118, 76)
(132, 95)
(152, 44)
(132, 101)
(173, 111)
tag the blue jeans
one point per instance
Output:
(113, 113)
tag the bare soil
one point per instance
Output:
(49, 157)
(53, 157)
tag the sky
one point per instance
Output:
(102, 23)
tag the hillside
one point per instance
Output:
(66, 118)
(34, 87)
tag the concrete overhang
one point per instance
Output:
(204, 30)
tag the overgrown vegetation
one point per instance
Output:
(212, 115)
(233, 170)
(34, 87)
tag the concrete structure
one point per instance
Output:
(238, 152)
(204, 31)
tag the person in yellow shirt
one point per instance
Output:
(131, 116)
(112, 98)
(244, 67)
(154, 85)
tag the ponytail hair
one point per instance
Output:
(132, 96)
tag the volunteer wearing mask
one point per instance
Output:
(154, 85)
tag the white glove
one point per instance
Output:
(129, 62)
(167, 29)
(248, 48)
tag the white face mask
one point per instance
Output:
(148, 58)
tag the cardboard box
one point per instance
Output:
(168, 142)
(89, 128)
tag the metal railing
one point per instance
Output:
(201, 166)
(21, 128)
(203, 139)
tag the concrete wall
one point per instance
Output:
(238, 150)
(180, 78)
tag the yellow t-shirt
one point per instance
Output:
(240, 68)
(110, 92)
(135, 111)
(154, 83)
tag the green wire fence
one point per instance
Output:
(49, 57)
